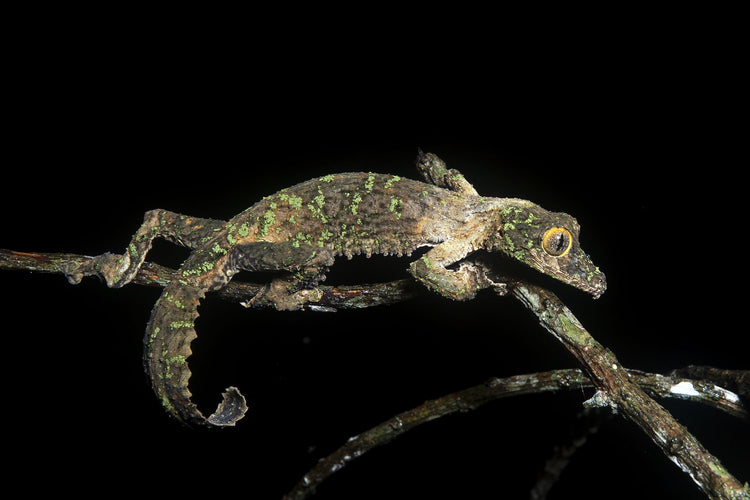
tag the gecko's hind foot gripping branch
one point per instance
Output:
(115, 269)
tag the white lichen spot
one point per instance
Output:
(728, 395)
(684, 468)
(684, 388)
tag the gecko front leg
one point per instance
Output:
(118, 270)
(432, 270)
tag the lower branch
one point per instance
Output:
(472, 398)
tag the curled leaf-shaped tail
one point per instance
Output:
(166, 350)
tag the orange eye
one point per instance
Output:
(557, 241)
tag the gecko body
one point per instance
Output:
(301, 230)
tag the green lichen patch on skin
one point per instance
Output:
(325, 235)
(356, 200)
(293, 201)
(300, 238)
(531, 219)
(320, 200)
(177, 359)
(268, 220)
(396, 206)
(370, 182)
(244, 230)
(169, 362)
(165, 402)
(231, 238)
(316, 206)
(175, 325)
(390, 182)
(175, 301)
(203, 268)
(154, 334)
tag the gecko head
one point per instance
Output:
(548, 242)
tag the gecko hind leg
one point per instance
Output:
(119, 269)
(305, 266)
(435, 171)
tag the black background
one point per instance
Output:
(639, 139)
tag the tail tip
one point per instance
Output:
(231, 409)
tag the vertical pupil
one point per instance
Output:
(556, 241)
(560, 242)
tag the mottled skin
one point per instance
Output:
(302, 229)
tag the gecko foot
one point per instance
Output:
(109, 266)
(482, 272)
(278, 293)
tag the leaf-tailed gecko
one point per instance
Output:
(300, 230)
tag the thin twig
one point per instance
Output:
(588, 422)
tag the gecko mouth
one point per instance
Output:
(586, 278)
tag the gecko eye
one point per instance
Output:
(557, 241)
